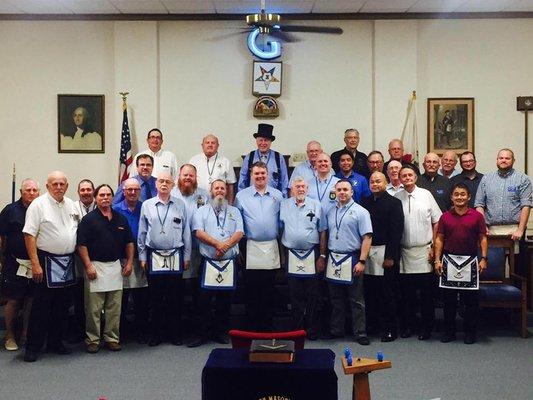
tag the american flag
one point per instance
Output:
(126, 158)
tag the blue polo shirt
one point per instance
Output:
(148, 190)
(359, 185)
(132, 217)
(220, 228)
(260, 213)
(300, 224)
(347, 225)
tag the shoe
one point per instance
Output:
(30, 356)
(312, 336)
(221, 338)
(424, 335)
(154, 341)
(11, 345)
(330, 336)
(448, 337)
(406, 333)
(362, 340)
(197, 341)
(470, 338)
(142, 339)
(92, 348)
(59, 349)
(388, 337)
(177, 341)
(113, 346)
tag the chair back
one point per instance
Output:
(243, 339)
(495, 265)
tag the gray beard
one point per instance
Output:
(219, 204)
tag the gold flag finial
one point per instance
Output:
(14, 170)
(124, 97)
(414, 94)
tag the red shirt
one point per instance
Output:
(461, 232)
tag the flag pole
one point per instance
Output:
(125, 142)
(13, 184)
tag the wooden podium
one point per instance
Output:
(360, 369)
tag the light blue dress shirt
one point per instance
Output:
(220, 228)
(347, 225)
(324, 191)
(260, 213)
(300, 224)
(153, 223)
(276, 179)
(303, 170)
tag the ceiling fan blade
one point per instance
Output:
(284, 36)
(311, 29)
(228, 35)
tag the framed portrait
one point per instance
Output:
(266, 78)
(80, 123)
(451, 125)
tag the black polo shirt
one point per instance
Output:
(105, 239)
(360, 166)
(471, 184)
(386, 214)
(439, 186)
(11, 223)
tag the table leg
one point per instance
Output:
(361, 388)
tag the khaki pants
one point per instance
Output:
(110, 304)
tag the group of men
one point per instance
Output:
(357, 231)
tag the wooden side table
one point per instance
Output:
(360, 369)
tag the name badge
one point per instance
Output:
(511, 188)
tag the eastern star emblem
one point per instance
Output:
(267, 76)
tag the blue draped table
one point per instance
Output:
(229, 375)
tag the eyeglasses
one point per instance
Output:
(132, 190)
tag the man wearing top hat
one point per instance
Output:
(277, 169)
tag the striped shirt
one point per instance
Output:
(503, 196)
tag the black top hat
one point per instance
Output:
(265, 131)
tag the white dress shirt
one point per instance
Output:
(53, 224)
(213, 168)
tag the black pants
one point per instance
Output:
(410, 285)
(380, 293)
(259, 298)
(48, 316)
(305, 303)
(166, 298)
(78, 293)
(141, 298)
(470, 300)
(214, 320)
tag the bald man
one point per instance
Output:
(396, 152)
(438, 185)
(50, 239)
(211, 165)
(307, 169)
(381, 273)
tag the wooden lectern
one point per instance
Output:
(360, 369)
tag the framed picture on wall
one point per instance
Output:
(80, 123)
(266, 79)
(451, 125)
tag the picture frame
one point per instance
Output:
(267, 78)
(450, 124)
(80, 123)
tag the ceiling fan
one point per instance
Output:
(271, 25)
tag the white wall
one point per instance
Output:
(186, 80)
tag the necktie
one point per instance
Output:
(409, 197)
(146, 191)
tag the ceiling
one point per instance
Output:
(74, 7)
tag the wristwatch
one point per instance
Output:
(362, 262)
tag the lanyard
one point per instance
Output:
(338, 223)
(320, 197)
(164, 219)
(219, 225)
(212, 169)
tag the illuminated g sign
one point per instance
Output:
(272, 50)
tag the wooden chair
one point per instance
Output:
(243, 339)
(496, 290)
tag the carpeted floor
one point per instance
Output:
(497, 367)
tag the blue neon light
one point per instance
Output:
(273, 49)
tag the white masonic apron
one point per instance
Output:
(262, 255)
(24, 268)
(167, 262)
(374, 262)
(414, 260)
(137, 278)
(340, 267)
(108, 277)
